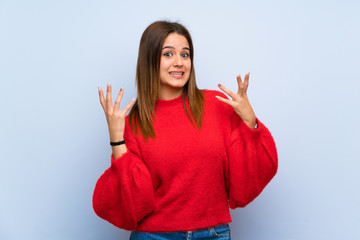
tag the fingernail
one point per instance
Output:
(219, 85)
(108, 84)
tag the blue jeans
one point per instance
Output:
(220, 232)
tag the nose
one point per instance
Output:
(178, 61)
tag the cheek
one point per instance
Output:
(188, 66)
(163, 65)
(163, 70)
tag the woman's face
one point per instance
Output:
(175, 66)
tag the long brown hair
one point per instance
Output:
(148, 79)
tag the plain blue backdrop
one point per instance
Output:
(303, 58)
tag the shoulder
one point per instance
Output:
(211, 103)
(130, 129)
(210, 97)
(210, 94)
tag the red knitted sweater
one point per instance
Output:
(186, 178)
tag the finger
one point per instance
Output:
(246, 81)
(118, 99)
(101, 97)
(240, 83)
(239, 80)
(127, 108)
(108, 97)
(224, 100)
(227, 91)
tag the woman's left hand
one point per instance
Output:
(240, 101)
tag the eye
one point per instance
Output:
(185, 55)
(167, 54)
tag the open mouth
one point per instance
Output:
(176, 73)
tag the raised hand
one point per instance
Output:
(240, 101)
(114, 116)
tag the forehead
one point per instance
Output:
(176, 40)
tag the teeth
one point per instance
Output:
(176, 73)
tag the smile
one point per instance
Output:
(176, 73)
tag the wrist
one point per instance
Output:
(117, 143)
(117, 138)
(251, 124)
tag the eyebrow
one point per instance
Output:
(184, 48)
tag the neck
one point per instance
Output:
(170, 93)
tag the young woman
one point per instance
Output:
(182, 156)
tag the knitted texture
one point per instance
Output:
(186, 178)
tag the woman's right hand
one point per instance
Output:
(114, 116)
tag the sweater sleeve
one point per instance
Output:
(252, 162)
(124, 193)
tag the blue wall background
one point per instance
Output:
(303, 58)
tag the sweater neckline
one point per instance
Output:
(171, 102)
